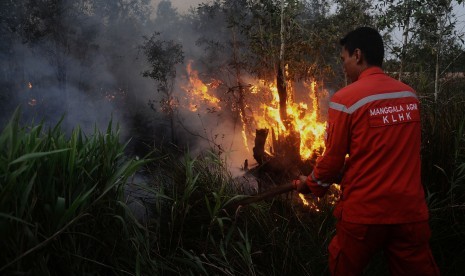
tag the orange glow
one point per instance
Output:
(303, 120)
(197, 91)
(312, 204)
(330, 199)
(262, 101)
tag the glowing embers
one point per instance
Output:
(315, 204)
(32, 101)
(114, 94)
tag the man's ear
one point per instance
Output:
(358, 55)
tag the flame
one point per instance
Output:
(312, 205)
(198, 92)
(304, 201)
(263, 102)
(330, 199)
(304, 121)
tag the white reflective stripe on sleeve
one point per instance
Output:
(369, 99)
(318, 181)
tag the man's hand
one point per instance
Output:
(300, 185)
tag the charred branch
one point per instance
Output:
(282, 92)
(259, 149)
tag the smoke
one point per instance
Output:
(205, 41)
(219, 131)
(88, 69)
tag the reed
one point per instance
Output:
(197, 235)
(62, 209)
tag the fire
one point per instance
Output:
(265, 109)
(198, 91)
(304, 201)
(312, 205)
(261, 102)
(316, 204)
(304, 120)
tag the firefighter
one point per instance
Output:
(373, 148)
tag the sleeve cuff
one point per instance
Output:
(317, 187)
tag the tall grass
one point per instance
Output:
(61, 203)
(198, 235)
(443, 164)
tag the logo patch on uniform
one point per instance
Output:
(384, 115)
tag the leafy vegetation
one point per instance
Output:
(62, 209)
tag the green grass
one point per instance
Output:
(443, 165)
(61, 204)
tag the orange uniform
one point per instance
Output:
(373, 133)
(376, 122)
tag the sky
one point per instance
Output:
(183, 5)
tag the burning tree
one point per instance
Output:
(282, 53)
(261, 56)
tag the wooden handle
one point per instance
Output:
(281, 189)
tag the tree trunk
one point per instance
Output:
(259, 149)
(281, 75)
(405, 40)
(438, 55)
(282, 92)
(171, 112)
(247, 121)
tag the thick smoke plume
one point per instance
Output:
(85, 63)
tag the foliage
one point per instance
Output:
(163, 56)
(61, 203)
(443, 163)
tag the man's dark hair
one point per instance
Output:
(369, 41)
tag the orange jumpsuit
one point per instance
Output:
(376, 122)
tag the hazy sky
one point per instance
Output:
(183, 5)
